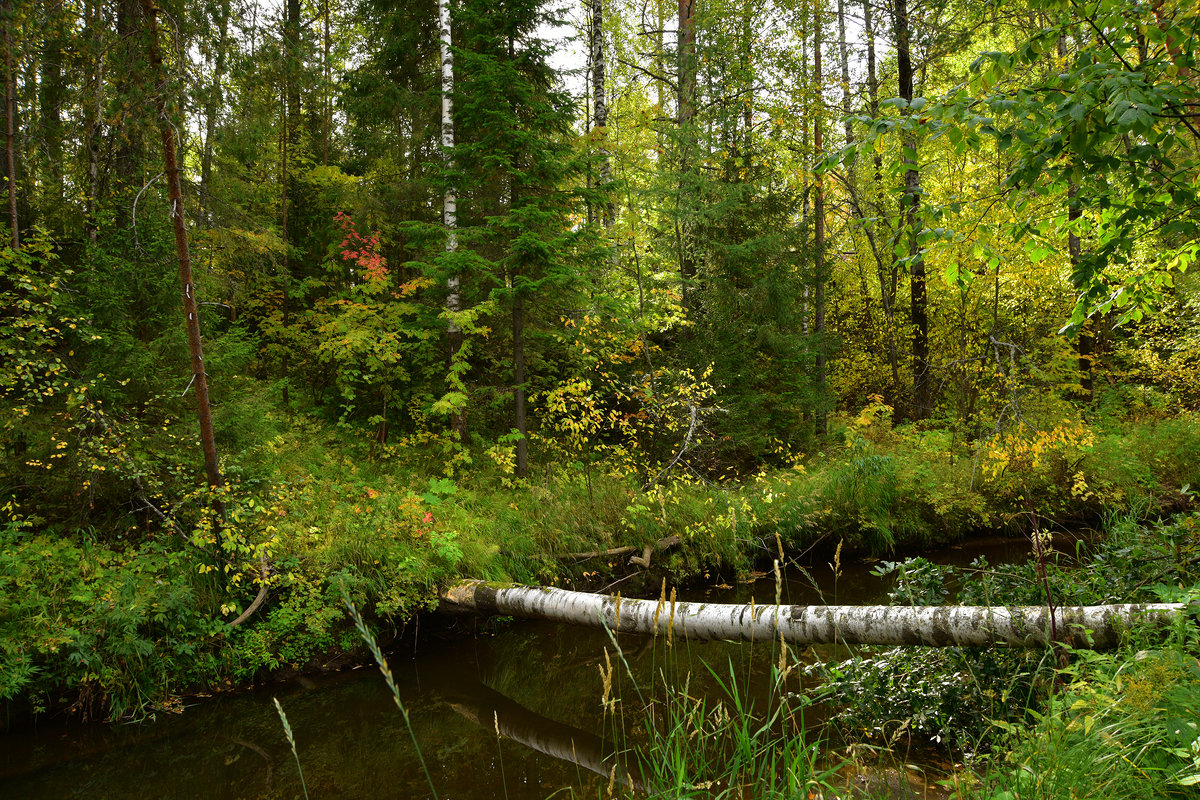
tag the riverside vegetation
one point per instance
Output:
(447, 314)
(112, 624)
(1002, 722)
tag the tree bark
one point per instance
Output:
(127, 131)
(52, 93)
(10, 113)
(685, 47)
(94, 114)
(600, 112)
(1085, 344)
(921, 395)
(326, 95)
(819, 231)
(887, 291)
(458, 419)
(518, 332)
(286, 267)
(212, 109)
(844, 52)
(175, 192)
(936, 626)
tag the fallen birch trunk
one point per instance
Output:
(938, 626)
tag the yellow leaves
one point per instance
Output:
(1032, 448)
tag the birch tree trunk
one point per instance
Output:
(937, 626)
(458, 420)
(600, 112)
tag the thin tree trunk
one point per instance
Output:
(1085, 344)
(175, 192)
(852, 172)
(600, 112)
(921, 395)
(290, 138)
(286, 271)
(806, 173)
(458, 419)
(94, 115)
(518, 333)
(686, 65)
(887, 292)
(936, 626)
(10, 112)
(127, 131)
(327, 99)
(844, 52)
(748, 33)
(51, 94)
(819, 230)
(212, 109)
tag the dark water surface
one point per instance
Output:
(537, 684)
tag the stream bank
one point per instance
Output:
(538, 682)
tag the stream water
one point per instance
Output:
(512, 711)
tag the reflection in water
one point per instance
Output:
(538, 682)
(493, 711)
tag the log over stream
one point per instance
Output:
(1098, 626)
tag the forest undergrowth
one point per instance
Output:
(114, 618)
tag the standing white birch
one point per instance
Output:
(458, 420)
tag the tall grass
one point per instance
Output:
(699, 733)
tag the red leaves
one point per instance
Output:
(363, 251)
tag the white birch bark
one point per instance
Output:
(600, 111)
(449, 201)
(938, 626)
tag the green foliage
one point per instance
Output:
(107, 631)
(1126, 727)
(949, 696)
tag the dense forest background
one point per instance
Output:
(755, 275)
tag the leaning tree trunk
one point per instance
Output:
(191, 311)
(175, 191)
(938, 626)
